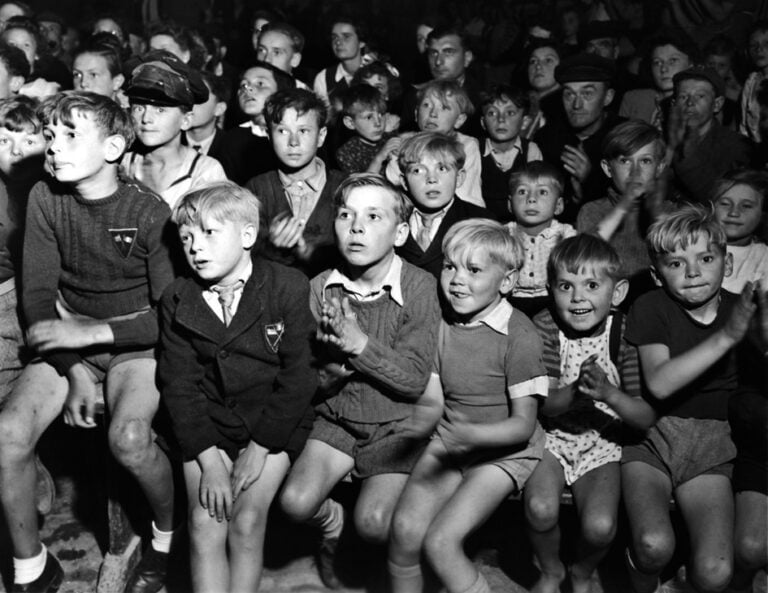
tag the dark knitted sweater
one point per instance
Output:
(106, 257)
(393, 369)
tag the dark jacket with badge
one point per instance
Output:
(255, 373)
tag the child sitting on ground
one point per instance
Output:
(685, 332)
(489, 365)
(432, 166)
(297, 209)
(739, 200)
(443, 106)
(594, 384)
(94, 265)
(633, 158)
(535, 199)
(242, 420)
(378, 317)
(363, 112)
(505, 113)
(162, 91)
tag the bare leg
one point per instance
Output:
(249, 523)
(480, 493)
(431, 484)
(376, 505)
(35, 402)
(542, 513)
(208, 562)
(706, 503)
(751, 539)
(597, 500)
(133, 399)
(646, 496)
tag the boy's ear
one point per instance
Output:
(608, 97)
(15, 83)
(508, 282)
(656, 277)
(461, 175)
(527, 120)
(117, 82)
(717, 106)
(460, 121)
(114, 147)
(186, 121)
(482, 124)
(321, 133)
(295, 60)
(559, 206)
(728, 264)
(606, 168)
(248, 235)
(220, 109)
(468, 57)
(348, 122)
(620, 291)
(401, 234)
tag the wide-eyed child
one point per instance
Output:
(594, 386)
(363, 112)
(432, 166)
(739, 202)
(162, 91)
(535, 200)
(633, 159)
(378, 317)
(240, 420)
(94, 267)
(504, 114)
(685, 331)
(442, 107)
(489, 367)
(297, 197)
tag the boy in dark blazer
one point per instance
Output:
(235, 374)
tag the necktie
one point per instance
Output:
(198, 147)
(227, 297)
(423, 238)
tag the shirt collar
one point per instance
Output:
(244, 276)
(497, 318)
(315, 180)
(255, 128)
(518, 145)
(391, 281)
(341, 73)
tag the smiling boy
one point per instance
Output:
(94, 266)
(378, 318)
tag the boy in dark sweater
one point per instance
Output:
(297, 209)
(241, 418)
(363, 112)
(93, 266)
(378, 319)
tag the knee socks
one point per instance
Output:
(329, 518)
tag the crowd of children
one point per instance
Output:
(448, 292)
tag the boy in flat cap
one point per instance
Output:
(575, 144)
(162, 91)
(700, 148)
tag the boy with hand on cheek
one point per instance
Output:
(432, 166)
(297, 198)
(378, 319)
(241, 419)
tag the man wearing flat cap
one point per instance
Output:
(702, 149)
(575, 144)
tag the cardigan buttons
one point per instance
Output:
(224, 354)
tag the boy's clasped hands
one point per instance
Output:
(338, 326)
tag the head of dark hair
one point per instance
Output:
(505, 92)
(752, 178)
(759, 26)
(440, 32)
(184, 37)
(357, 22)
(283, 80)
(291, 32)
(19, 114)
(360, 97)
(676, 38)
(108, 47)
(403, 205)
(31, 26)
(379, 68)
(219, 86)
(720, 45)
(14, 60)
(584, 251)
(535, 170)
(629, 137)
(106, 113)
(301, 100)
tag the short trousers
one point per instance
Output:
(579, 454)
(748, 417)
(11, 342)
(235, 435)
(684, 448)
(377, 448)
(100, 363)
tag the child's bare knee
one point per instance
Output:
(373, 524)
(299, 504)
(16, 439)
(200, 524)
(599, 529)
(711, 574)
(542, 512)
(653, 551)
(130, 438)
(440, 546)
(247, 523)
(752, 552)
(407, 532)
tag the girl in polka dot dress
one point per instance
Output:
(594, 385)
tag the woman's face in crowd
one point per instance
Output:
(666, 61)
(541, 68)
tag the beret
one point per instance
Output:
(585, 68)
(160, 78)
(702, 73)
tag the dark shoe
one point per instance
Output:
(149, 574)
(326, 562)
(45, 488)
(48, 582)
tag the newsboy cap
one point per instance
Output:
(585, 68)
(160, 78)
